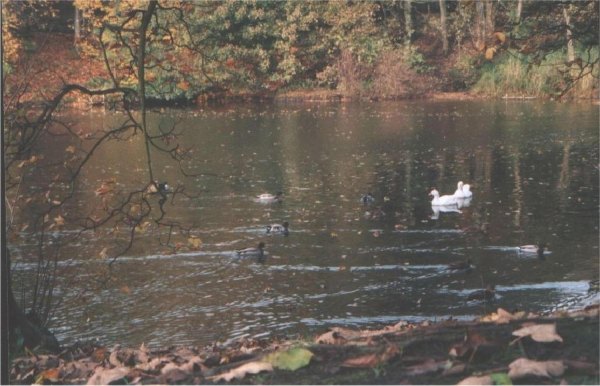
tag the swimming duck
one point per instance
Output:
(252, 252)
(270, 197)
(276, 228)
(539, 249)
(594, 285)
(444, 200)
(158, 187)
(467, 191)
(367, 198)
(486, 294)
(460, 193)
(460, 265)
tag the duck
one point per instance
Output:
(443, 200)
(252, 252)
(460, 193)
(486, 294)
(279, 229)
(594, 285)
(539, 249)
(460, 265)
(467, 191)
(158, 187)
(270, 197)
(367, 198)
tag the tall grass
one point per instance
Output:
(513, 75)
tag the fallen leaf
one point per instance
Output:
(373, 360)
(523, 367)
(126, 290)
(473, 340)
(98, 354)
(59, 221)
(240, 372)
(485, 380)
(540, 333)
(70, 149)
(102, 376)
(292, 359)
(51, 375)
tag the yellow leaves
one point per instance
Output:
(489, 53)
(70, 149)
(334, 235)
(499, 36)
(502, 316)
(183, 85)
(195, 242)
(151, 76)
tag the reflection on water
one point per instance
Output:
(533, 171)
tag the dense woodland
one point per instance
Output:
(369, 49)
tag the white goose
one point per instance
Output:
(444, 200)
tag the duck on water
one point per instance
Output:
(278, 229)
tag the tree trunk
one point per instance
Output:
(77, 25)
(570, 49)
(489, 19)
(443, 26)
(407, 24)
(519, 10)
(479, 24)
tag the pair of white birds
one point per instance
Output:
(462, 191)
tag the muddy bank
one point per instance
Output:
(501, 348)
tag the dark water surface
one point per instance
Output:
(533, 170)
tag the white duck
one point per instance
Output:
(467, 191)
(460, 193)
(444, 200)
(463, 190)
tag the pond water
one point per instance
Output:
(533, 171)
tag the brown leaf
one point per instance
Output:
(51, 375)
(102, 376)
(524, 367)
(98, 354)
(240, 372)
(481, 46)
(183, 85)
(540, 333)
(485, 380)
(489, 53)
(373, 360)
(473, 339)
(502, 316)
(70, 149)
(126, 290)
